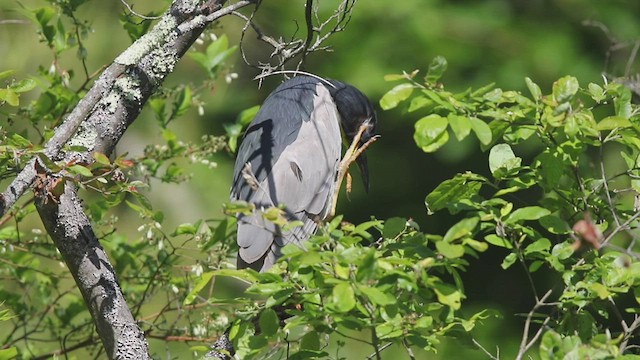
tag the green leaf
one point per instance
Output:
(23, 85)
(565, 88)
(509, 260)
(562, 250)
(600, 290)
(460, 125)
(396, 95)
(622, 103)
(527, 213)
(534, 89)
(539, 246)
(450, 251)
(269, 322)
(377, 296)
(80, 170)
(186, 228)
(244, 274)
(554, 224)
(596, 92)
(430, 132)
(310, 341)
(10, 353)
(482, 130)
(393, 227)
(101, 158)
(462, 186)
(496, 240)
(461, 229)
(436, 69)
(343, 297)
(217, 52)
(10, 97)
(246, 116)
(183, 101)
(6, 73)
(202, 282)
(448, 295)
(613, 122)
(476, 245)
(501, 156)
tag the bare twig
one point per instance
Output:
(283, 51)
(144, 17)
(13, 21)
(526, 343)
(629, 332)
(490, 355)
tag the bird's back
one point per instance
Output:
(289, 156)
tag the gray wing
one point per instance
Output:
(294, 159)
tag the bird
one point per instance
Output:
(291, 155)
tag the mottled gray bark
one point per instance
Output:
(97, 123)
(73, 236)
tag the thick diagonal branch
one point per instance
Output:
(72, 234)
(97, 124)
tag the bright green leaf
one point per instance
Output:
(527, 213)
(613, 122)
(462, 186)
(343, 297)
(501, 156)
(205, 278)
(430, 132)
(534, 89)
(482, 130)
(10, 353)
(396, 95)
(509, 260)
(538, 246)
(80, 170)
(460, 125)
(450, 251)
(461, 229)
(496, 240)
(565, 88)
(377, 296)
(448, 295)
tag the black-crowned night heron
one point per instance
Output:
(291, 155)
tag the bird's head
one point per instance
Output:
(355, 110)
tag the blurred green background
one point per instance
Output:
(484, 41)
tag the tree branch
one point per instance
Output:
(97, 124)
(71, 231)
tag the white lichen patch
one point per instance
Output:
(85, 137)
(163, 63)
(129, 87)
(149, 41)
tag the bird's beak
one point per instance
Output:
(364, 170)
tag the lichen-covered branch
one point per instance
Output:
(97, 124)
(117, 97)
(72, 233)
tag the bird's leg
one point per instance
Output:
(350, 157)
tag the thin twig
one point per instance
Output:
(526, 343)
(490, 355)
(144, 17)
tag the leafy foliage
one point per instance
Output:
(560, 197)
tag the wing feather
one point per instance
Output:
(299, 174)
